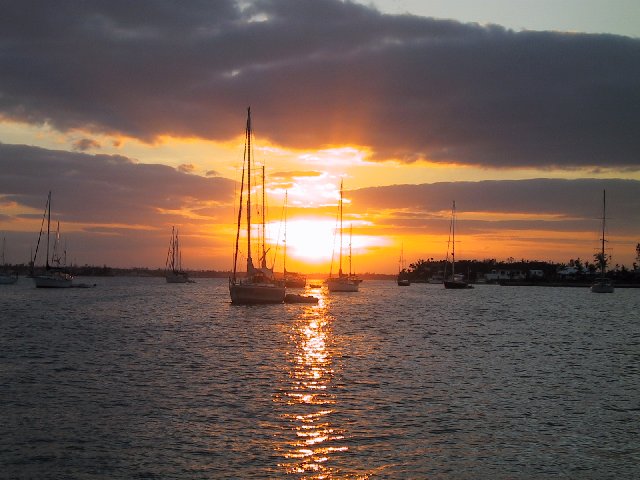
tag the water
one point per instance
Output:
(140, 379)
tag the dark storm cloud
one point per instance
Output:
(104, 189)
(568, 205)
(324, 72)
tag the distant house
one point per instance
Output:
(536, 273)
(504, 274)
(568, 272)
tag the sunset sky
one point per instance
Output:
(133, 115)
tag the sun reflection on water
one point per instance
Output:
(309, 398)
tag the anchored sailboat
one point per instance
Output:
(454, 281)
(173, 266)
(343, 282)
(602, 283)
(403, 278)
(54, 276)
(259, 285)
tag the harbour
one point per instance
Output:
(125, 381)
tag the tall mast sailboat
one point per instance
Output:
(53, 277)
(403, 279)
(602, 283)
(259, 285)
(343, 282)
(173, 266)
(454, 282)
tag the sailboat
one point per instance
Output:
(6, 277)
(454, 281)
(403, 279)
(54, 276)
(602, 283)
(343, 282)
(259, 285)
(173, 265)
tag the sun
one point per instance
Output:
(311, 240)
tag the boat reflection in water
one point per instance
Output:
(309, 398)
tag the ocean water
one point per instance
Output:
(140, 379)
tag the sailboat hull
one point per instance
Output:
(342, 285)
(53, 280)
(602, 286)
(177, 277)
(255, 294)
(8, 279)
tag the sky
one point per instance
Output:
(133, 115)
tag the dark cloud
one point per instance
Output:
(566, 205)
(104, 189)
(324, 72)
(85, 144)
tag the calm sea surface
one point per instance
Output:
(140, 379)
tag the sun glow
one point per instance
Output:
(311, 239)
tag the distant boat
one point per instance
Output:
(343, 282)
(403, 279)
(602, 283)
(296, 298)
(173, 266)
(7, 277)
(455, 282)
(54, 276)
(259, 286)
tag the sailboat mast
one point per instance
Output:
(48, 227)
(176, 250)
(340, 209)
(284, 262)
(453, 236)
(604, 209)
(248, 143)
(350, 239)
(264, 226)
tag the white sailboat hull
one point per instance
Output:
(343, 284)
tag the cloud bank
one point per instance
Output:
(116, 211)
(320, 73)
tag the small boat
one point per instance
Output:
(54, 276)
(296, 298)
(259, 286)
(454, 282)
(602, 284)
(7, 277)
(173, 266)
(343, 282)
(403, 278)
